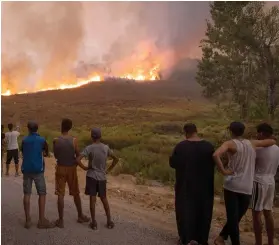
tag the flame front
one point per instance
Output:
(138, 75)
(143, 65)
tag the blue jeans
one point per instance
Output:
(39, 180)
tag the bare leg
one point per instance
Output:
(269, 223)
(92, 207)
(257, 223)
(60, 205)
(26, 205)
(7, 169)
(110, 224)
(106, 207)
(93, 223)
(16, 168)
(42, 205)
(77, 201)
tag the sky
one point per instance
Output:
(42, 42)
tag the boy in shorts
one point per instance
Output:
(97, 154)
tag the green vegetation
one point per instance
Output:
(144, 148)
(240, 62)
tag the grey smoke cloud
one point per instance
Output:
(43, 41)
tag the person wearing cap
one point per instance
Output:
(34, 148)
(65, 149)
(239, 178)
(194, 166)
(97, 154)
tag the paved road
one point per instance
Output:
(125, 232)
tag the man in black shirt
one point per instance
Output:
(194, 188)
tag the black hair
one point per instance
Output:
(32, 127)
(2, 126)
(10, 126)
(237, 128)
(66, 125)
(265, 129)
(190, 128)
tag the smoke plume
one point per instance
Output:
(43, 42)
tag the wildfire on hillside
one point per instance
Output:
(138, 75)
(139, 67)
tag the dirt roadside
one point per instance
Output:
(154, 203)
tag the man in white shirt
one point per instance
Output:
(267, 161)
(12, 148)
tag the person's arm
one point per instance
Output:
(76, 147)
(228, 146)
(85, 153)
(53, 147)
(263, 143)
(115, 160)
(21, 148)
(174, 158)
(45, 149)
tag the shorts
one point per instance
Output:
(12, 154)
(262, 197)
(94, 187)
(63, 175)
(39, 180)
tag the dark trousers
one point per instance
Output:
(12, 155)
(236, 207)
(193, 217)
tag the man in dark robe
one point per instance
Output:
(193, 162)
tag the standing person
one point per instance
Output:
(239, 178)
(97, 154)
(2, 147)
(193, 162)
(12, 148)
(33, 167)
(267, 162)
(66, 151)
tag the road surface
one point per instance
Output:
(128, 230)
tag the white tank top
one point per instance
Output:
(267, 162)
(243, 164)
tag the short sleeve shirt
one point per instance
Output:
(97, 155)
(11, 138)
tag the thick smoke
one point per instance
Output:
(42, 42)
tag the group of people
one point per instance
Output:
(249, 178)
(249, 182)
(65, 147)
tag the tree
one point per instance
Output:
(238, 59)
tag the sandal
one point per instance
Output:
(59, 223)
(110, 225)
(93, 225)
(83, 219)
(45, 225)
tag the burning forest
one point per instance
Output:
(68, 46)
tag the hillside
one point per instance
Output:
(98, 103)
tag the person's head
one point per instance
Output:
(190, 130)
(264, 131)
(237, 129)
(32, 127)
(96, 134)
(66, 125)
(10, 126)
